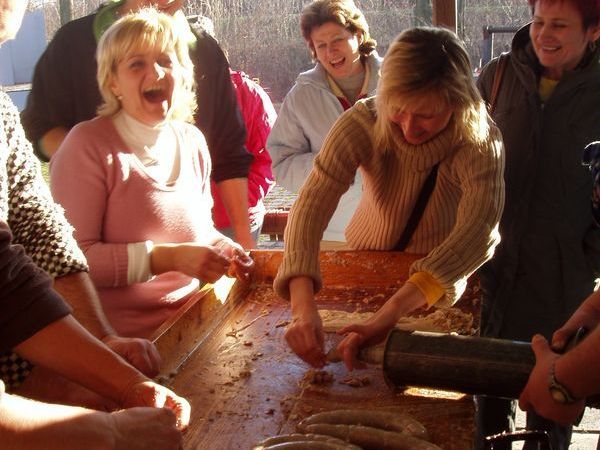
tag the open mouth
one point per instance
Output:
(155, 94)
(549, 48)
(337, 63)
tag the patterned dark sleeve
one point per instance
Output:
(37, 222)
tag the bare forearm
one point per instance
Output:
(579, 369)
(234, 193)
(404, 300)
(26, 424)
(301, 295)
(50, 141)
(79, 291)
(162, 258)
(68, 349)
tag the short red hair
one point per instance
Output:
(588, 9)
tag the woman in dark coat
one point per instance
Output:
(547, 110)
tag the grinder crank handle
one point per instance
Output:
(371, 355)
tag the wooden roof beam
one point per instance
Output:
(444, 13)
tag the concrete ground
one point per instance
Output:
(585, 436)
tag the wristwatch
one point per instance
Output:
(559, 392)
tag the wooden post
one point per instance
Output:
(65, 8)
(444, 13)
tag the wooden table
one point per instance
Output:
(244, 384)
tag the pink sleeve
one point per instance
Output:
(80, 181)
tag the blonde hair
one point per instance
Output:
(340, 12)
(424, 61)
(142, 30)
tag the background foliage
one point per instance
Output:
(262, 37)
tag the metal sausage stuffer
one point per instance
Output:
(468, 364)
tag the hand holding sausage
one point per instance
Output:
(204, 262)
(241, 265)
(148, 393)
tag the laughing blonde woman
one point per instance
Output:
(134, 181)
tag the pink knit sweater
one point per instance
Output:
(111, 201)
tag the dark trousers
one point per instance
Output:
(495, 415)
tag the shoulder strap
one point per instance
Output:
(418, 210)
(498, 74)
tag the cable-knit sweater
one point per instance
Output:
(459, 227)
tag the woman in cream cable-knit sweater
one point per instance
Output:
(427, 114)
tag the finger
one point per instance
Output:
(348, 349)
(141, 394)
(238, 254)
(168, 416)
(145, 358)
(305, 345)
(160, 396)
(560, 337)
(181, 408)
(347, 357)
(239, 271)
(221, 258)
(313, 353)
(316, 359)
(141, 361)
(154, 358)
(147, 395)
(356, 328)
(246, 260)
(220, 265)
(540, 346)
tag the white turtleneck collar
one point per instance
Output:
(157, 147)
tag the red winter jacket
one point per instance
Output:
(259, 116)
